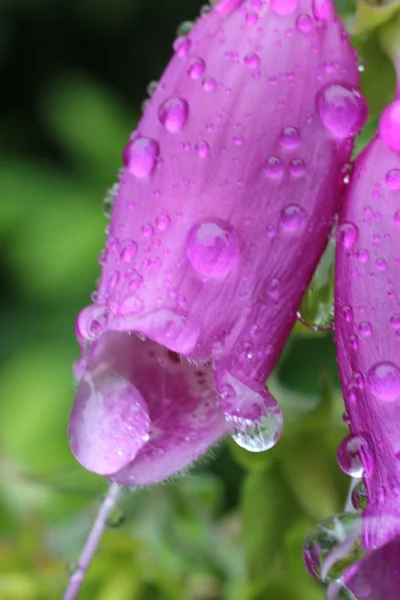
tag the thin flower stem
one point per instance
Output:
(92, 543)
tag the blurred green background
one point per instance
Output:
(73, 77)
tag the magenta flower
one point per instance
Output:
(367, 317)
(227, 196)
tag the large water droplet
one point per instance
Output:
(108, 422)
(213, 248)
(342, 109)
(333, 546)
(284, 7)
(254, 419)
(293, 218)
(140, 155)
(389, 125)
(173, 114)
(383, 380)
(354, 455)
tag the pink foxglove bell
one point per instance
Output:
(228, 192)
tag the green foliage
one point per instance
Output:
(234, 528)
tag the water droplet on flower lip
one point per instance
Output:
(384, 381)
(213, 248)
(170, 329)
(197, 68)
(254, 419)
(173, 114)
(342, 109)
(139, 156)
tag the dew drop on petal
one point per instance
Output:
(202, 149)
(347, 235)
(284, 7)
(197, 68)
(140, 155)
(383, 380)
(293, 218)
(393, 179)
(304, 23)
(252, 61)
(389, 126)
(321, 9)
(213, 248)
(342, 109)
(173, 114)
(274, 167)
(290, 137)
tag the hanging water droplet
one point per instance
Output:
(333, 546)
(342, 109)
(213, 248)
(359, 496)
(254, 419)
(354, 456)
(317, 306)
(116, 518)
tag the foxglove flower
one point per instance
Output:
(227, 196)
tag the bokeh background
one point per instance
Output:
(73, 77)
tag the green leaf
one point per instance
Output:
(370, 16)
(268, 510)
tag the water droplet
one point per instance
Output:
(173, 114)
(128, 251)
(297, 167)
(205, 10)
(359, 496)
(163, 222)
(140, 155)
(72, 568)
(197, 68)
(116, 518)
(396, 217)
(293, 218)
(227, 6)
(252, 61)
(284, 7)
(152, 87)
(347, 234)
(353, 456)
(393, 179)
(213, 248)
(304, 23)
(182, 46)
(395, 321)
(91, 322)
(384, 381)
(381, 264)
(321, 9)
(274, 167)
(109, 199)
(365, 328)
(254, 419)
(274, 289)
(362, 255)
(168, 328)
(333, 546)
(208, 84)
(290, 137)
(184, 28)
(202, 149)
(130, 306)
(342, 109)
(389, 125)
